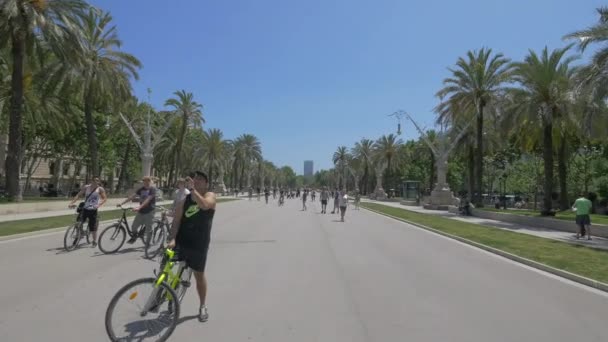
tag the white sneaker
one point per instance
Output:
(203, 314)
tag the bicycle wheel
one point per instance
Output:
(142, 312)
(184, 284)
(72, 237)
(86, 234)
(157, 240)
(112, 238)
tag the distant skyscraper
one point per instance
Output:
(308, 168)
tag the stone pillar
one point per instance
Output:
(221, 187)
(379, 192)
(441, 197)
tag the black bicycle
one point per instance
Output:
(75, 233)
(114, 236)
(160, 232)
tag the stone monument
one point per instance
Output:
(441, 196)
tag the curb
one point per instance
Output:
(53, 230)
(49, 230)
(549, 269)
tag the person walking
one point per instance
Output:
(582, 207)
(343, 203)
(336, 202)
(304, 195)
(324, 198)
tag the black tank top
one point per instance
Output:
(195, 226)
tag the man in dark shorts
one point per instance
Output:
(304, 195)
(324, 199)
(95, 197)
(191, 233)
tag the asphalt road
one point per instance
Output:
(281, 274)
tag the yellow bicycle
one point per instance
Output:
(148, 309)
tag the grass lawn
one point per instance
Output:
(31, 225)
(584, 261)
(562, 215)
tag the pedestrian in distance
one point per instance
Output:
(343, 203)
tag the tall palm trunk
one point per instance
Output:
(479, 162)
(91, 131)
(122, 178)
(235, 170)
(211, 173)
(548, 158)
(76, 173)
(14, 155)
(471, 185)
(364, 181)
(242, 175)
(172, 166)
(110, 180)
(563, 175)
(432, 172)
(180, 143)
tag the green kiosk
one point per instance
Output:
(410, 191)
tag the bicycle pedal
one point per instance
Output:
(185, 283)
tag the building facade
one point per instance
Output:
(308, 168)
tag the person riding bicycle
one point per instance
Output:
(191, 233)
(145, 211)
(95, 197)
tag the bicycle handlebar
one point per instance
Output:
(123, 208)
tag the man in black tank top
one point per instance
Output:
(191, 233)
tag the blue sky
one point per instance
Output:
(308, 76)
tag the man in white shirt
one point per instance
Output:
(180, 194)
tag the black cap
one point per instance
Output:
(194, 174)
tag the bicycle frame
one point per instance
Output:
(123, 221)
(168, 276)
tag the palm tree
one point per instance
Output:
(270, 173)
(23, 25)
(385, 157)
(596, 72)
(544, 97)
(248, 150)
(190, 113)
(474, 84)
(340, 157)
(354, 165)
(214, 149)
(105, 71)
(363, 151)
